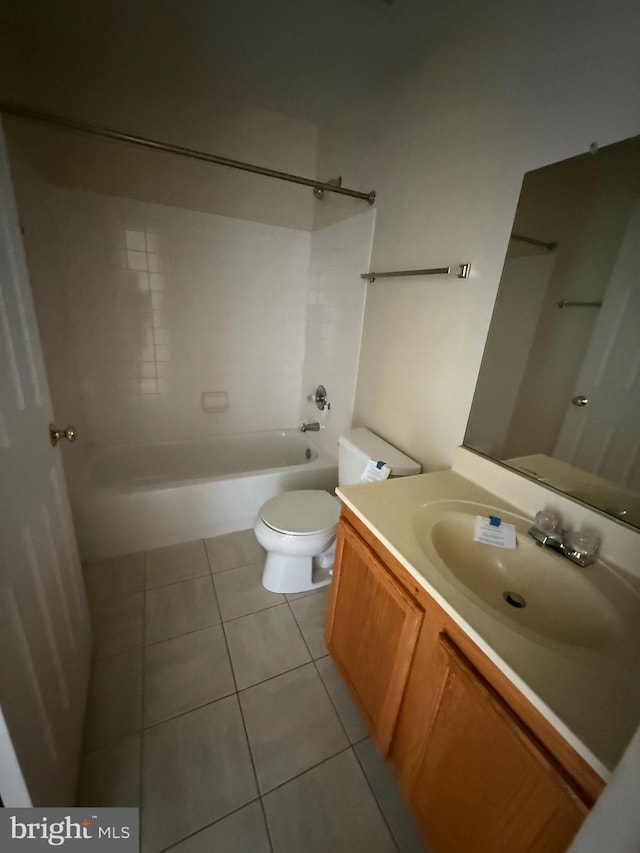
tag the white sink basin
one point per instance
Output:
(534, 588)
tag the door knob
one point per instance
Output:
(580, 400)
(56, 434)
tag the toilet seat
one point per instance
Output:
(302, 512)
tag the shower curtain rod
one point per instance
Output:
(156, 145)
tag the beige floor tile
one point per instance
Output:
(330, 807)
(185, 673)
(110, 777)
(196, 769)
(389, 800)
(176, 563)
(115, 700)
(234, 549)
(114, 578)
(310, 613)
(291, 725)
(243, 831)
(347, 711)
(264, 644)
(240, 592)
(293, 596)
(179, 608)
(118, 626)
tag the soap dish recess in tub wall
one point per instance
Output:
(215, 401)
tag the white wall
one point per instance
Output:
(503, 88)
(339, 254)
(150, 306)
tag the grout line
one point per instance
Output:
(246, 735)
(175, 582)
(208, 825)
(253, 612)
(215, 574)
(308, 770)
(271, 677)
(300, 631)
(184, 634)
(376, 799)
(188, 711)
(266, 824)
(333, 704)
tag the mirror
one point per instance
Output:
(558, 393)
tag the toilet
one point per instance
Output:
(298, 529)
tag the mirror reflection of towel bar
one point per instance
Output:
(564, 303)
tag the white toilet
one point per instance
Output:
(298, 529)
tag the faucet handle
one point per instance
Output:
(581, 547)
(548, 522)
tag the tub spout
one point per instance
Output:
(313, 427)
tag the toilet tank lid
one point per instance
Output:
(368, 445)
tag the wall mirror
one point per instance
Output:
(558, 393)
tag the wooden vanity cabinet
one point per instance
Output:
(480, 768)
(483, 783)
(371, 632)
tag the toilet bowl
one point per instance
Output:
(297, 530)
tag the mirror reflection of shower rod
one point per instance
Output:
(332, 186)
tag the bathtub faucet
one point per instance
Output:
(314, 427)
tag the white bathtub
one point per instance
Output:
(135, 497)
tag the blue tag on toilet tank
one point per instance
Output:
(494, 521)
(375, 471)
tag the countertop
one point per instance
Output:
(591, 695)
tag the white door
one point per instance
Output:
(603, 436)
(45, 637)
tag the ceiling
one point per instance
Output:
(299, 57)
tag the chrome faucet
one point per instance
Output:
(579, 547)
(313, 427)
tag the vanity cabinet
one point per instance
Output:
(483, 783)
(480, 768)
(372, 631)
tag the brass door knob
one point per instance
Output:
(580, 400)
(56, 434)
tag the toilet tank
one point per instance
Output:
(357, 446)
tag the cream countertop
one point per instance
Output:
(591, 695)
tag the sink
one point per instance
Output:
(534, 588)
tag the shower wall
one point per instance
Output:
(144, 307)
(339, 254)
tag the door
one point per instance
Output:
(45, 638)
(602, 436)
(371, 632)
(484, 783)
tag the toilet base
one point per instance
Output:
(283, 573)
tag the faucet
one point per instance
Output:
(313, 427)
(581, 548)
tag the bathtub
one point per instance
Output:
(136, 497)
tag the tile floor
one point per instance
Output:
(215, 708)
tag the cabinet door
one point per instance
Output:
(371, 632)
(485, 784)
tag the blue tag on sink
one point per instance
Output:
(494, 520)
